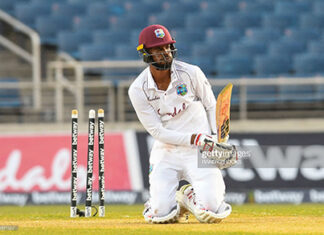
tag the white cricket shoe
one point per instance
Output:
(180, 196)
(147, 212)
(187, 201)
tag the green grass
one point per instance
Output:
(124, 219)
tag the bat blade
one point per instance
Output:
(223, 112)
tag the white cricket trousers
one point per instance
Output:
(169, 166)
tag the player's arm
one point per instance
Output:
(151, 121)
(207, 97)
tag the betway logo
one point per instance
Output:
(89, 189)
(74, 190)
(101, 132)
(74, 160)
(90, 162)
(102, 161)
(91, 133)
(37, 176)
(75, 133)
(276, 196)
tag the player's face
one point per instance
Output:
(161, 54)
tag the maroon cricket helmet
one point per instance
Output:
(153, 36)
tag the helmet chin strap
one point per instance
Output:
(162, 67)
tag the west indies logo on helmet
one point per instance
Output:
(159, 33)
(156, 36)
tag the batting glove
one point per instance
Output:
(205, 142)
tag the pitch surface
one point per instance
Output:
(125, 219)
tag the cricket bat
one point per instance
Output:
(223, 112)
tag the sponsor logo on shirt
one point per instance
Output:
(175, 111)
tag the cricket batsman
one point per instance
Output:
(175, 103)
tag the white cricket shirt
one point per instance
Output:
(172, 116)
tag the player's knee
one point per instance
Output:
(171, 217)
(162, 200)
(162, 208)
(212, 198)
(211, 201)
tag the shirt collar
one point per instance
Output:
(150, 81)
